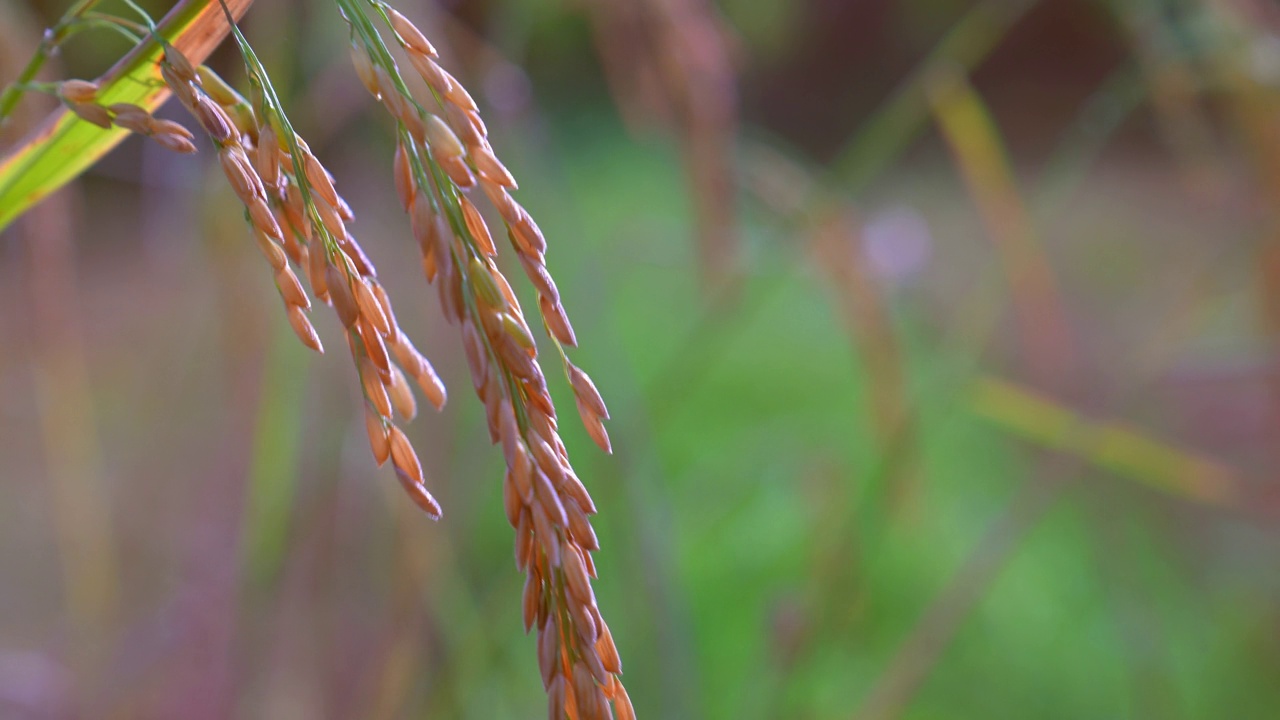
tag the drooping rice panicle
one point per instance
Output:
(442, 165)
(81, 98)
(440, 161)
(300, 221)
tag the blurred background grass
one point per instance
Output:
(939, 337)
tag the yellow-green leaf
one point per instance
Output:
(63, 146)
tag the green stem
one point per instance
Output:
(98, 19)
(53, 37)
(114, 24)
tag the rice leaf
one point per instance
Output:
(63, 146)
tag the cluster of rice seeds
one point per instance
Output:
(438, 163)
(80, 97)
(299, 220)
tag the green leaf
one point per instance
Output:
(64, 145)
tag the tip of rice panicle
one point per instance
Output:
(420, 497)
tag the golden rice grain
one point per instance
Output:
(213, 119)
(132, 118)
(458, 95)
(181, 66)
(95, 114)
(78, 91)
(444, 144)
(548, 651)
(588, 695)
(370, 308)
(515, 359)
(271, 251)
(319, 179)
(595, 428)
(432, 74)
(585, 390)
(402, 395)
(405, 185)
(541, 279)
(477, 358)
(384, 304)
(291, 290)
(489, 168)
(170, 127)
(263, 219)
(244, 180)
(396, 103)
(476, 227)
(375, 347)
(544, 534)
(531, 600)
(409, 34)
(465, 125)
(607, 651)
(557, 321)
(379, 439)
(180, 86)
(403, 456)
(583, 623)
(329, 217)
(486, 287)
(303, 328)
(356, 255)
(267, 156)
(175, 143)
(344, 303)
(418, 494)
(364, 68)
(318, 272)
(575, 574)
(545, 458)
(524, 540)
(374, 391)
(529, 235)
(518, 331)
(548, 499)
(580, 527)
(522, 473)
(574, 488)
(622, 704)
(511, 501)
(501, 201)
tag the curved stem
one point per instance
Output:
(52, 38)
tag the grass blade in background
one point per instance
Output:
(64, 145)
(886, 134)
(984, 163)
(1116, 446)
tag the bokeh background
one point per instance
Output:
(939, 336)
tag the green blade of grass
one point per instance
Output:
(64, 145)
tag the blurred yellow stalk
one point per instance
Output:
(1125, 450)
(982, 160)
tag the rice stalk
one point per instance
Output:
(300, 224)
(441, 159)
